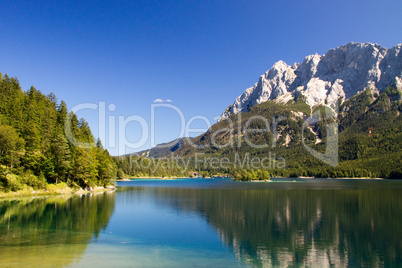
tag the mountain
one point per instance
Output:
(337, 115)
(323, 79)
(368, 128)
(162, 150)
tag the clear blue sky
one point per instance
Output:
(199, 54)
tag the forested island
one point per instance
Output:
(35, 152)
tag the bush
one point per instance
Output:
(34, 181)
(13, 183)
(56, 188)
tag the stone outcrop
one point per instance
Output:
(323, 79)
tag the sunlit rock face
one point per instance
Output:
(322, 80)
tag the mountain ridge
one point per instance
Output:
(323, 79)
(367, 122)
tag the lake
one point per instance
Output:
(209, 223)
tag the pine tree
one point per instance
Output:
(11, 146)
(62, 157)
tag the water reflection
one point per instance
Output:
(182, 223)
(51, 231)
(332, 226)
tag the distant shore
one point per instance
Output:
(311, 178)
(145, 178)
(277, 177)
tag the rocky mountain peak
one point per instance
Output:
(323, 79)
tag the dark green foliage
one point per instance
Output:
(250, 175)
(34, 149)
(11, 146)
(395, 174)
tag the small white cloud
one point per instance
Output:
(160, 100)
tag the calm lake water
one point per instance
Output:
(209, 223)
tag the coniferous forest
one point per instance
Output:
(35, 152)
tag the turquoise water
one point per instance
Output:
(209, 223)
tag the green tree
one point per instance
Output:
(120, 174)
(85, 168)
(106, 167)
(11, 146)
(62, 157)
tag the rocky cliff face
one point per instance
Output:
(340, 73)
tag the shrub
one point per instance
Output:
(13, 183)
(34, 181)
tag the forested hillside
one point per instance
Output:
(370, 139)
(34, 149)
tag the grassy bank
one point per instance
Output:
(52, 189)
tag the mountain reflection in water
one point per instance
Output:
(209, 223)
(323, 223)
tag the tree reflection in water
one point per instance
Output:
(268, 224)
(52, 231)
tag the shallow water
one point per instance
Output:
(209, 223)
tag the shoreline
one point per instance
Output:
(342, 178)
(99, 189)
(310, 178)
(362, 178)
(270, 180)
(60, 191)
(145, 178)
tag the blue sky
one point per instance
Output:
(199, 54)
